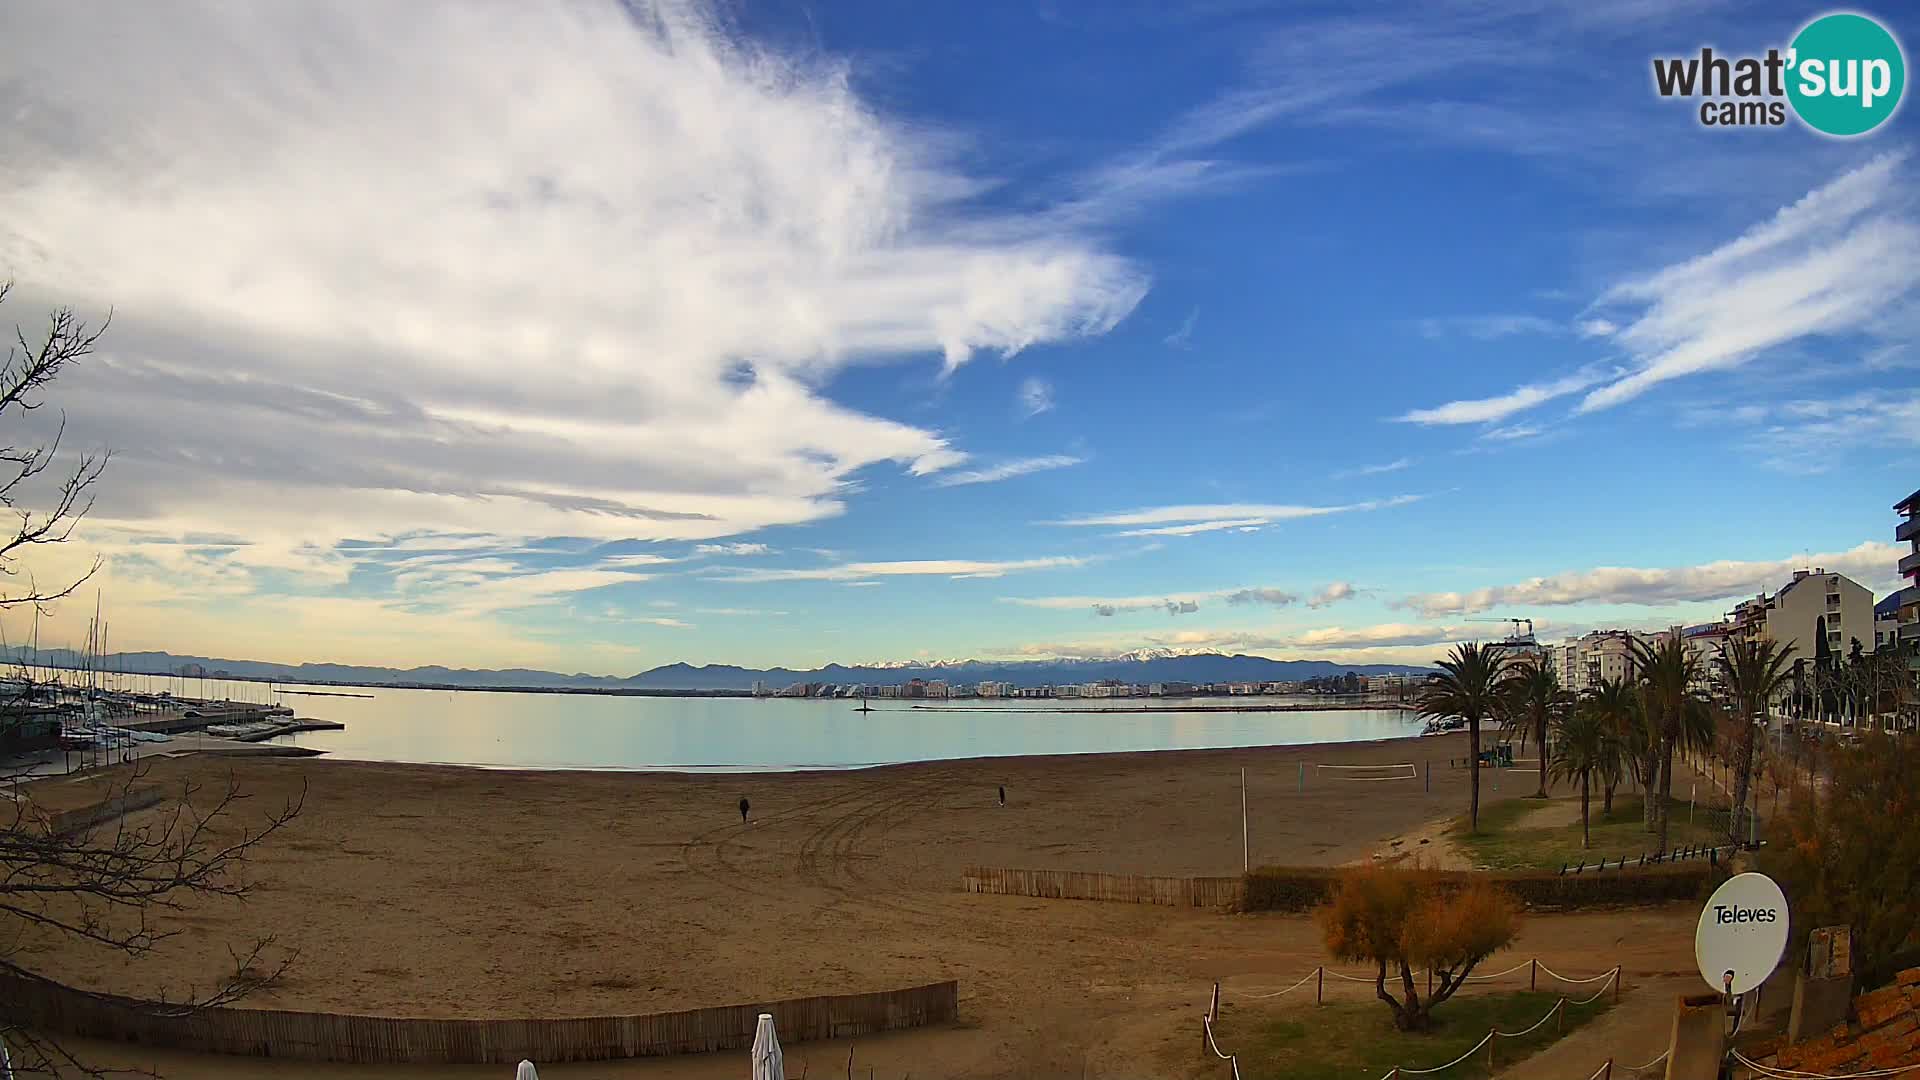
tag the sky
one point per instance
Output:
(596, 336)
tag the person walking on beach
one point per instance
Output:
(744, 807)
(1003, 794)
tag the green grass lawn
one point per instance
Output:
(1357, 1041)
(1507, 842)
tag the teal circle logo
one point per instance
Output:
(1845, 74)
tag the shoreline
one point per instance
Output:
(804, 771)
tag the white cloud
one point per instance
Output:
(1488, 327)
(1382, 643)
(1035, 396)
(1183, 337)
(672, 624)
(1831, 263)
(1493, 409)
(1007, 470)
(1234, 514)
(1332, 594)
(481, 274)
(1870, 563)
(855, 572)
(1836, 262)
(738, 548)
(1811, 435)
(737, 612)
(1512, 432)
(1193, 527)
(1374, 470)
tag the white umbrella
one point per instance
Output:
(526, 1071)
(768, 1064)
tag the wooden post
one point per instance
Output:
(1319, 984)
(1533, 976)
(1616, 984)
(1490, 1045)
(1560, 1017)
(1606, 1071)
(1213, 1010)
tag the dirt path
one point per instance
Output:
(1631, 1034)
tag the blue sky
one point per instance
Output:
(594, 337)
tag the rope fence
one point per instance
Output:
(1793, 1074)
(1609, 981)
(1534, 967)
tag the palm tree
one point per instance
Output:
(1754, 672)
(1533, 698)
(1668, 672)
(1468, 686)
(1618, 708)
(1580, 749)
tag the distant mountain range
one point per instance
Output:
(1146, 666)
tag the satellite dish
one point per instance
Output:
(1742, 933)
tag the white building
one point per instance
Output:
(1600, 656)
(1816, 612)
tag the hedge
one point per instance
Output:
(1284, 888)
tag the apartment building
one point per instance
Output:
(1818, 612)
(1908, 532)
(1886, 620)
(1599, 656)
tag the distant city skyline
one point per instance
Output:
(595, 337)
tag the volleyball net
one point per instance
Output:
(1402, 771)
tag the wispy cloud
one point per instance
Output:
(1511, 432)
(1493, 409)
(739, 548)
(1183, 337)
(1235, 514)
(1007, 470)
(1186, 603)
(1194, 527)
(1034, 397)
(738, 612)
(1813, 435)
(1870, 562)
(854, 572)
(1489, 327)
(1830, 263)
(1373, 470)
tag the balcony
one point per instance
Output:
(1907, 530)
(1910, 565)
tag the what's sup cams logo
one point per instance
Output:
(1842, 75)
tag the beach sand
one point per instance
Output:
(438, 891)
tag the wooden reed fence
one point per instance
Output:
(306, 1036)
(1202, 892)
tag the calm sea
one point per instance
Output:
(579, 731)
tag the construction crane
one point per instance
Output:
(1515, 635)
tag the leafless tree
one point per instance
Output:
(31, 364)
(99, 879)
(102, 883)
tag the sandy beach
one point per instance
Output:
(436, 891)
